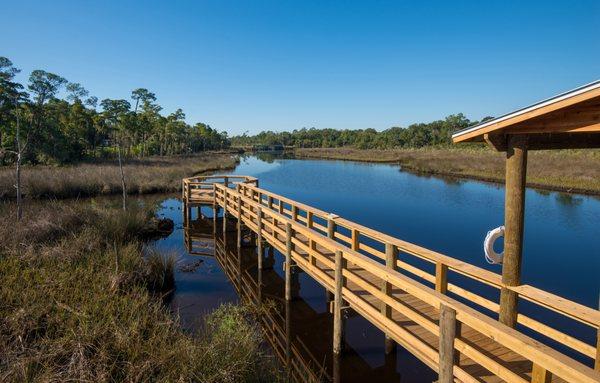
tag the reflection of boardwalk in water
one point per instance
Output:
(299, 336)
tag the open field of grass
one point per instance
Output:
(142, 176)
(79, 301)
(564, 170)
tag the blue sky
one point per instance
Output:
(281, 65)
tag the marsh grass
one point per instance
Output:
(142, 176)
(563, 170)
(75, 306)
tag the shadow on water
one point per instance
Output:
(300, 332)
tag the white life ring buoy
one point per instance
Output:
(488, 246)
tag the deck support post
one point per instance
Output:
(239, 221)
(540, 375)
(597, 364)
(224, 211)
(514, 208)
(338, 320)
(391, 255)
(446, 346)
(441, 277)
(288, 262)
(259, 238)
(330, 228)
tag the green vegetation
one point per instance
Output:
(42, 128)
(143, 176)
(563, 170)
(79, 302)
(435, 133)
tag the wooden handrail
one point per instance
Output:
(542, 356)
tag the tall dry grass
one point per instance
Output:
(564, 170)
(142, 176)
(75, 306)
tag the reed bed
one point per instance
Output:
(562, 170)
(75, 305)
(142, 176)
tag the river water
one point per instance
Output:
(451, 216)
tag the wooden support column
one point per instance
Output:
(288, 262)
(514, 208)
(446, 345)
(259, 240)
(441, 278)
(239, 221)
(540, 375)
(391, 255)
(224, 211)
(597, 364)
(294, 213)
(330, 234)
(338, 325)
(331, 228)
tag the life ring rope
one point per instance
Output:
(488, 246)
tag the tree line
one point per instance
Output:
(436, 133)
(45, 128)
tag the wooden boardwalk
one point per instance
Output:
(371, 273)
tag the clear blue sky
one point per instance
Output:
(281, 65)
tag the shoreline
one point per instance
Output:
(468, 173)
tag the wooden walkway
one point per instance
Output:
(370, 273)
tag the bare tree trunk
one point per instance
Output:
(18, 175)
(18, 186)
(122, 177)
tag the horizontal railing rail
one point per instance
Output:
(307, 216)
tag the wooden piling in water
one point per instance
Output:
(259, 238)
(288, 262)
(338, 325)
(391, 254)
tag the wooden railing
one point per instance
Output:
(343, 256)
(357, 235)
(200, 188)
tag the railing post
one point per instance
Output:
(330, 228)
(338, 325)
(294, 213)
(226, 181)
(225, 210)
(280, 207)
(288, 262)
(446, 344)
(355, 240)
(391, 254)
(597, 364)
(259, 237)
(330, 234)
(239, 222)
(270, 202)
(540, 375)
(311, 243)
(441, 277)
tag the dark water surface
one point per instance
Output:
(561, 251)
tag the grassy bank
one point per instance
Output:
(565, 170)
(79, 301)
(142, 176)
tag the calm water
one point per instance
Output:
(561, 250)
